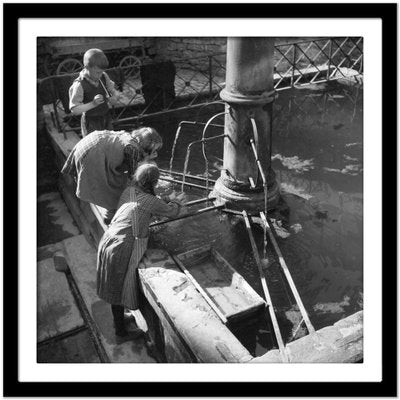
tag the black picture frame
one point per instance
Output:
(12, 386)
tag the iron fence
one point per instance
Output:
(197, 82)
(315, 61)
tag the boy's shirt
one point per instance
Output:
(76, 92)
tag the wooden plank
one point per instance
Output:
(288, 275)
(188, 215)
(267, 295)
(57, 312)
(199, 251)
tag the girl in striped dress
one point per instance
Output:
(125, 242)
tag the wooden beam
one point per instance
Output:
(200, 289)
(267, 295)
(288, 275)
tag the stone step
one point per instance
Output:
(76, 348)
(55, 222)
(57, 312)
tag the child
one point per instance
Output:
(90, 93)
(125, 242)
(102, 162)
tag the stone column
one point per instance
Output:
(249, 94)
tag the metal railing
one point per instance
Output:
(315, 61)
(197, 82)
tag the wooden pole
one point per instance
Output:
(288, 275)
(200, 289)
(203, 200)
(194, 177)
(274, 321)
(201, 211)
(166, 179)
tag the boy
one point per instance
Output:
(90, 93)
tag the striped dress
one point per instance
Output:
(124, 244)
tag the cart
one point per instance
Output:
(63, 55)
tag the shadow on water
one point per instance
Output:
(317, 156)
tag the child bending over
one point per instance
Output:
(125, 242)
(101, 163)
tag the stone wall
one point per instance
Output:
(179, 49)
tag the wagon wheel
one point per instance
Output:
(131, 66)
(69, 66)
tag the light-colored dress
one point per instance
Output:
(124, 244)
(100, 164)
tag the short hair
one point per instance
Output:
(146, 177)
(95, 58)
(148, 139)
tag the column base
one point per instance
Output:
(251, 201)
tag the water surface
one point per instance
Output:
(317, 155)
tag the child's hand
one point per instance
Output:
(180, 198)
(98, 99)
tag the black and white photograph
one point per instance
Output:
(201, 197)
(213, 185)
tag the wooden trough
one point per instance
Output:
(224, 289)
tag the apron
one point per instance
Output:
(130, 289)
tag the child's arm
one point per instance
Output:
(179, 198)
(76, 104)
(171, 209)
